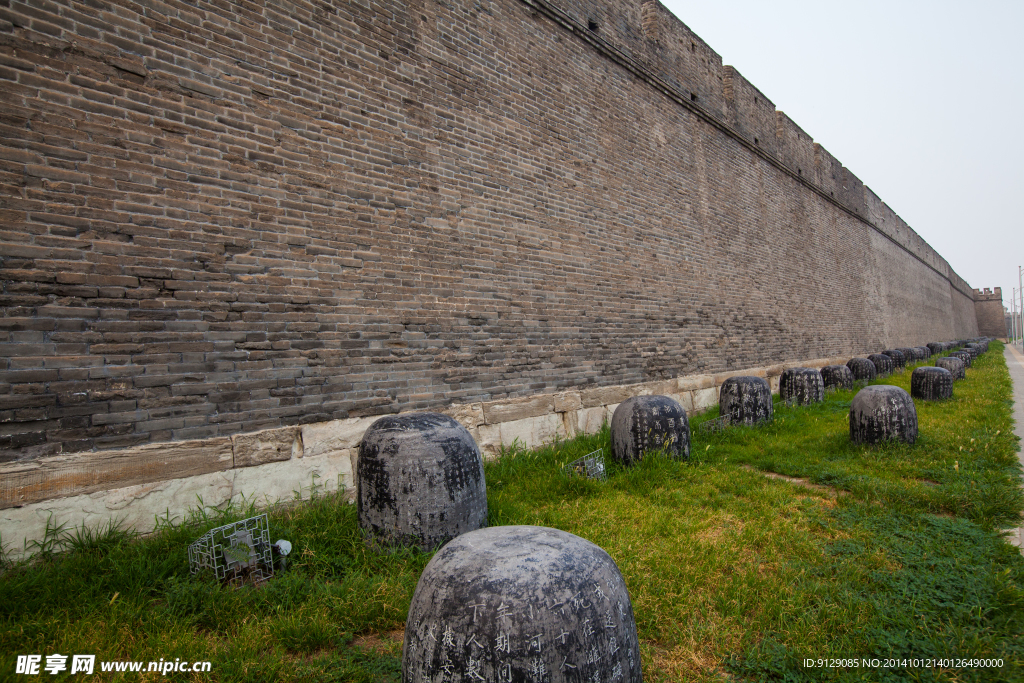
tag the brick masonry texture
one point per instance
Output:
(988, 308)
(223, 217)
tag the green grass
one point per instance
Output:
(889, 551)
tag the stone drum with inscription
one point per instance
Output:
(909, 354)
(883, 364)
(881, 413)
(953, 364)
(643, 423)
(837, 377)
(802, 386)
(420, 481)
(965, 356)
(899, 359)
(931, 383)
(521, 604)
(862, 369)
(745, 400)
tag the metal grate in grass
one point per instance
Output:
(590, 466)
(713, 426)
(240, 550)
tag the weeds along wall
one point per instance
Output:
(222, 217)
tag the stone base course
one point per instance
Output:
(272, 465)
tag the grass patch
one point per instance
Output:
(894, 551)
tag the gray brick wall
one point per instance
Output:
(988, 307)
(219, 217)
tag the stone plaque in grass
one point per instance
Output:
(420, 481)
(746, 400)
(883, 364)
(644, 423)
(802, 386)
(523, 604)
(936, 347)
(882, 412)
(931, 383)
(837, 377)
(899, 360)
(955, 366)
(924, 352)
(862, 369)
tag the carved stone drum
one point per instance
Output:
(931, 383)
(882, 412)
(862, 369)
(644, 423)
(883, 364)
(955, 366)
(519, 604)
(837, 377)
(745, 400)
(420, 481)
(899, 360)
(965, 356)
(802, 386)
(909, 354)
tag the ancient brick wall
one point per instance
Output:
(219, 217)
(989, 311)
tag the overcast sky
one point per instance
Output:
(923, 101)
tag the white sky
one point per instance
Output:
(923, 101)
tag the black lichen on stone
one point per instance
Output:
(420, 481)
(644, 423)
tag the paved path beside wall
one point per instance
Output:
(1015, 361)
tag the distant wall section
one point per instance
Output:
(988, 308)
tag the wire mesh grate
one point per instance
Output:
(716, 425)
(590, 466)
(240, 550)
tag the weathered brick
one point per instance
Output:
(230, 239)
